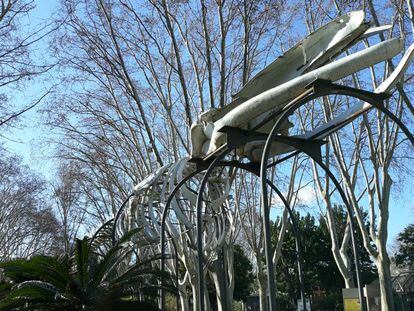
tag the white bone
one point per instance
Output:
(374, 31)
(271, 89)
(347, 116)
(323, 43)
(319, 47)
(279, 96)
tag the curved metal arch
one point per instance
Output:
(163, 220)
(320, 88)
(338, 187)
(118, 214)
(216, 163)
(199, 226)
(295, 227)
(236, 164)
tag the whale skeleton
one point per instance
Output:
(266, 93)
(256, 109)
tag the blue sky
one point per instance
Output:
(29, 139)
(26, 137)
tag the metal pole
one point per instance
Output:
(294, 143)
(271, 285)
(296, 233)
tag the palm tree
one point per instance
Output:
(85, 280)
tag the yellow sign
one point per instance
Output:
(352, 304)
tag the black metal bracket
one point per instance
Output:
(322, 86)
(237, 137)
(201, 164)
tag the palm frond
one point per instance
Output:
(29, 292)
(81, 257)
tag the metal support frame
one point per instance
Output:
(312, 149)
(247, 167)
(216, 163)
(310, 146)
(318, 160)
(118, 214)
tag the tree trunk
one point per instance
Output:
(383, 260)
(216, 273)
(195, 294)
(184, 306)
(385, 283)
(224, 291)
(230, 280)
(196, 298)
(261, 277)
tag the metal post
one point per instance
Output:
(306, 147)
(271, 285)
(118, 214)
(296, 233)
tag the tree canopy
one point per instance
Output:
(404, 256)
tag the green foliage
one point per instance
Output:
(320, 269)
(243, 278)
(368, 269)
(243, 274)
(284, 302)
(82, 281)
(319, 266)
(330, 302)
(405, 254)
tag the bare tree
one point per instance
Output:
(68, 194)
(136, 74)
(135, 69)
(365, 155)
(27, 225)
(17, 63)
